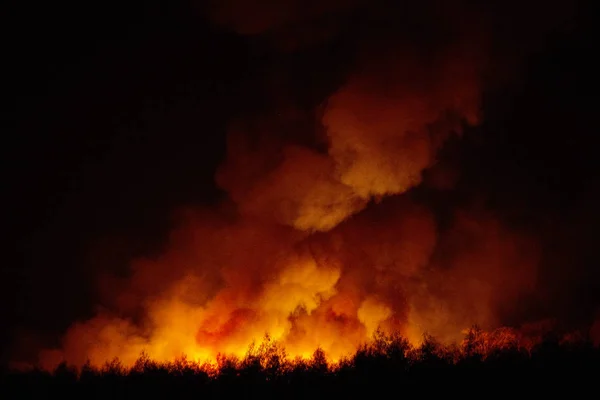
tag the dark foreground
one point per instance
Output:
(389, 368)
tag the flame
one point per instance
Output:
(318, 245)
(238, 282)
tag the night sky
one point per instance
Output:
(115, 116)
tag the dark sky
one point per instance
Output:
(116, 115)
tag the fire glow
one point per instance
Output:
(319, 243)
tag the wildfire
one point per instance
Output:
(320, 247)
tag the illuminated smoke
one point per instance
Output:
(319, 245)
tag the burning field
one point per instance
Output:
(344, 215)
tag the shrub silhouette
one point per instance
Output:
(387, 364)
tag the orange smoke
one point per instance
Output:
(224, 283)
(318, 247)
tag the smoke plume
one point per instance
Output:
(320, 242)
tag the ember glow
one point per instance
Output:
(226, 283)
(320, 242)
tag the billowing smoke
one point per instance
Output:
(383, 128)
(319, 242)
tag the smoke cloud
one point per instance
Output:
(320, 242)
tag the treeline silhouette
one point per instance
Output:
(484, 364)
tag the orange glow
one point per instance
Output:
(330, 291)
(321, 247)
